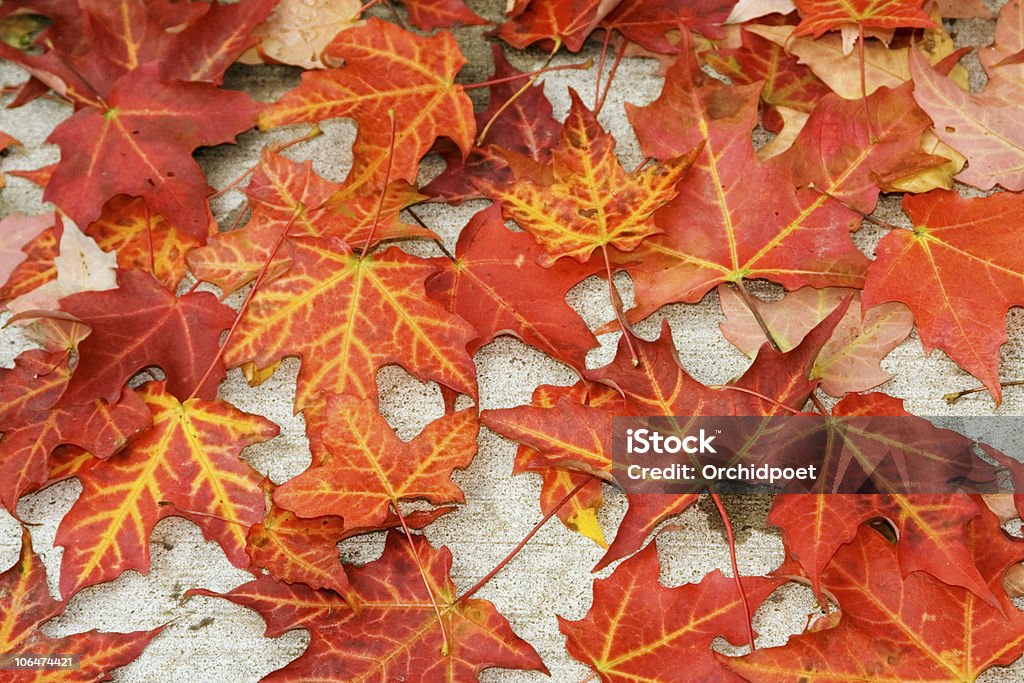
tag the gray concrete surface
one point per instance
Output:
(213, 640)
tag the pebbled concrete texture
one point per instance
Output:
(213, 640)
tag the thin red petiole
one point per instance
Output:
(866, 216)
(197, 513)
(245, 304)
(366, 6)
(756, 312)
(613, 293)
(526, 539)
(582, 66)
(384, 189)
(508, 103)
(751, 392)
(611, 77)
(314, 133)
(735, 569)
(600, 67)
(445, 648)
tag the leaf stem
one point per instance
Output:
(756, 312)
(600, 67)
(581, 66)
(611, 77)
(818, 405)
(955, 396)
(445, 647)
(516, 94)
(735, 569)
(384, 187)
(197, 513)
(437, 241)
(315, 132)
(616, 301)
(526, 539)
(245, 304)
(866, 216)
(744, 390)
(149, 239)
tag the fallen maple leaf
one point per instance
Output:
(367, 470)
(735, 217)
(139, 324)
(140, 143)
(397, 622)
(939, 632)
(819, 16)
(849, 361)
(188, 458)
(496, 283)
(984, 127)
(933, 268)
(387, 69)
(639, 630)
(589, 202)
(25, 605)
(347, 316)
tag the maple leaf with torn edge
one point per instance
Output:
(849, 361)
(386, 69)
(497, 285)
(189, 458)
(984, 126)
(140, 143)
(525, 126)
(26, 445)
(637, 629)
(734, 217)
(934, 269)
(589, 202)
(396, 633)
(139, 324)
(368, 470)
(346, 316)
(25, 605)
(938, 632)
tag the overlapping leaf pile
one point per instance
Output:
(864, 98)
